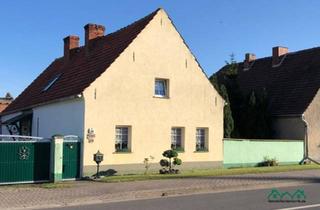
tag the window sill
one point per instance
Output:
(122, 152)
(161, 97)
(201, 151)
(180, 150)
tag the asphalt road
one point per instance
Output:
(251, 199)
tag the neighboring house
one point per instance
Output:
(4, 102)
(292, 82)
(129, 94)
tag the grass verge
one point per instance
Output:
(207, 173)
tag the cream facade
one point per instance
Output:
(312, 116)
(124, 96)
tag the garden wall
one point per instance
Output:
(250, 152)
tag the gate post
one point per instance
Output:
(57, 158)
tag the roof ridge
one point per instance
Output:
(291, 87)
(133, 23)
(81, 71)
(288, 54)
(116, 31)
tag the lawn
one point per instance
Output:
(207, 173)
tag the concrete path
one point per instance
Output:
(85, 192)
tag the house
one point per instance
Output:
(5, 101)
(129, 94)
(291, 81)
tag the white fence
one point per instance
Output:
(11, 138)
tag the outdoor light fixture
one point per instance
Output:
(98, 158)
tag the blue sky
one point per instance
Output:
(32, 31)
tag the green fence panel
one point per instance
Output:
(24, 161)
(244, 152)
(71, 160)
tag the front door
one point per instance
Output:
(71, 159)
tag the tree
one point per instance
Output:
(227, 118)
(168, 163)
(256, 118)
(230, 73)
(246, 113)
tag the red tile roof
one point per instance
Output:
(5, 101)
(3, 106)
(79, 72)
(290, 86)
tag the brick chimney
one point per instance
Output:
(248, 59)
(277, 52)
(70, 42)
(93, 31)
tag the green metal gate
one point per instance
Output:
(24, 161)
(71, 157)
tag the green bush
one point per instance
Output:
(269, 162)
(168, 164)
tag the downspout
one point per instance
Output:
(305, 143)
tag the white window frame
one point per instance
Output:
(177, 136)
(166, 88)
(202, 139)
(122, 138)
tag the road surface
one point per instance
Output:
(251, 199)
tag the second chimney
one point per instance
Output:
(93, 31)
(70, 42)
(277, 52)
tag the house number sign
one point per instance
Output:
(91, 135)
(24, 153)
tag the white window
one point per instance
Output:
(161, 88)
(177, 138)
(202, 139)
(122, 139)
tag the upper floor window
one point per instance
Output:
(161, 88)
(122, 139)
(177, 139)
(202, 139)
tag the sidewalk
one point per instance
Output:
(86, 192)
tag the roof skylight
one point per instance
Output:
(49, 85)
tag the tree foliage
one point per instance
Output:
(169, 163)
(227, 119)
(245, 114)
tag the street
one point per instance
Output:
(240, 200)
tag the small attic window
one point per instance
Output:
(49, 85)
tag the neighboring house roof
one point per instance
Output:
(290, 86)
(5, 101)
(81, 70)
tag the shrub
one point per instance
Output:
(147, 163)
(269, 162)
(168, 164)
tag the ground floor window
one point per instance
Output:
(122, 139)
(177, 139)
(202, 139)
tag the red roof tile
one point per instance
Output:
(290, 86)
(79, 72)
